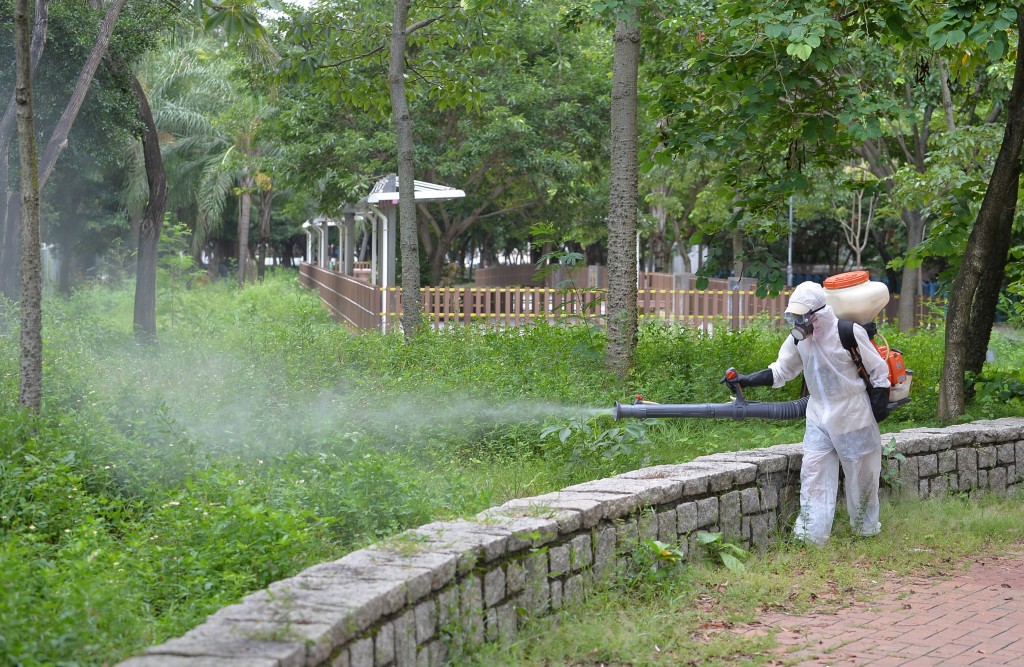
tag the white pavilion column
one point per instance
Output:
(391, 251)
(347, 248)
(323, 243)
(374, 236)
(385, 263)
(315, 250)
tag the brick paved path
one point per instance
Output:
(973, 618)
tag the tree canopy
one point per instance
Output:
(879, 125)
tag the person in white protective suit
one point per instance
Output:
(842, 418)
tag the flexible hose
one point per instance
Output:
(737, 410)
(790, 410)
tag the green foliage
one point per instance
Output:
(579, 304)
(458, 35)
(729, 554)
(529, 143)
(677, 364)
(1000, 385)
(891, 459)
(176, 266)
(652, 562)
(1012, 304)
(663, 553)
(776, 96)
(967, 25)
(583, 442)
(922, 354)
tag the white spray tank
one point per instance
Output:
(854, 296)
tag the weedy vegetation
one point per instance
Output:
(257, 437)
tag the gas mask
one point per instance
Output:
(803, 325)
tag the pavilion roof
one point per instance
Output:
(386, 190)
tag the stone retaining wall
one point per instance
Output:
(448, 586)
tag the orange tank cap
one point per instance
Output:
(848, 279)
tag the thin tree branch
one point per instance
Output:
(59, 140)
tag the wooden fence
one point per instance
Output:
(664, 297)
(353, 302)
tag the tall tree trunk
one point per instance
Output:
(622, 205)
(438, 251)
(878, 239)
(436, 259)
(911, 277)
(59, 139)
(152, 220)
(661, 249)
(691, 203)
(408, 240)
(9, 202)
(244, 213)
(30, 389)
(266, 197)
(737, 254)
(364, 246)
(217, 257)
(986, 254)
(986, 301)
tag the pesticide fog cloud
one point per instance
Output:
(222, 403)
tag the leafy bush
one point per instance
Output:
(677, 364)
(597, 450)
(922, 353)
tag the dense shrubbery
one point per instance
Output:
(258, 437)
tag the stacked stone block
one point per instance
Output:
(966, 458)
(447, 587)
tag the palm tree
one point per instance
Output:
(207, 125)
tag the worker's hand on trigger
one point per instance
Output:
(880, 403)
(763, 378)
(731, 379)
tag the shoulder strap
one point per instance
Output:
(849, 342)
(846, 335)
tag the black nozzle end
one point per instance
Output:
(902, 401)
(615, 411)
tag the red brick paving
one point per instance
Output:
(975, 618)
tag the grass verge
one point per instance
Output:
(687, 615)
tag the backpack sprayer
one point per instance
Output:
(854, 298)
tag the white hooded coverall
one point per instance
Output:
(840, 426)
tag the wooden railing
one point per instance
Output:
(354, 302)
(505, 306)
(665, 297)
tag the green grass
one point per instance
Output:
(257, 438)
(683, 615)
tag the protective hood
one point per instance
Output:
(807, 297)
